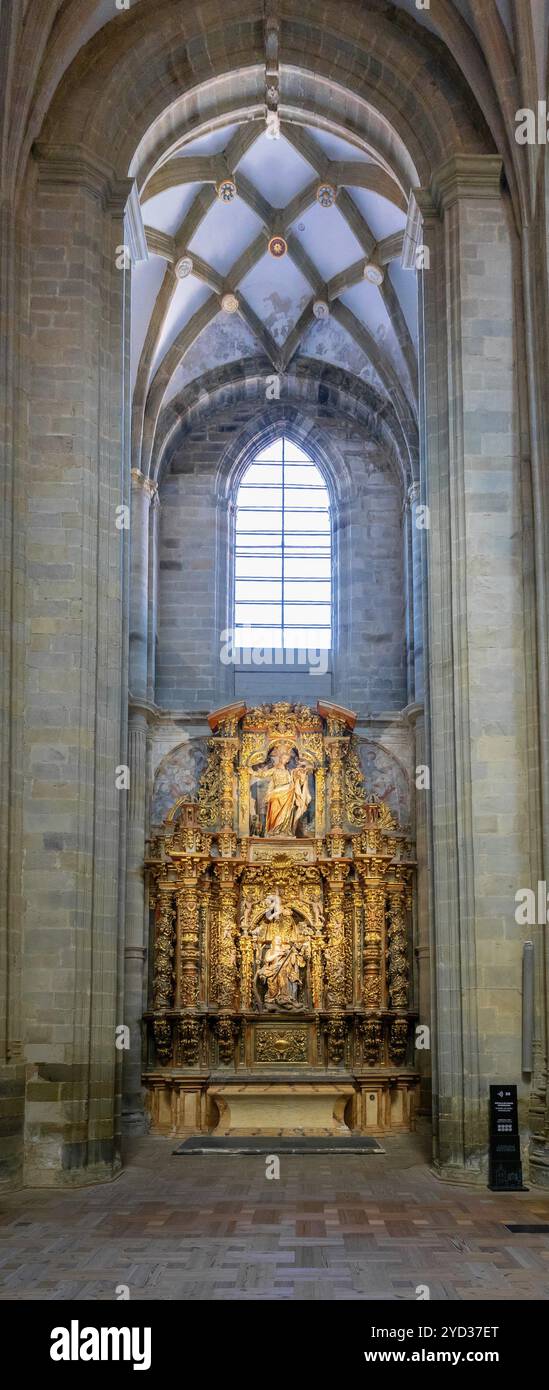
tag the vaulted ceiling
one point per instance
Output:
(237, 299)
(313, 304)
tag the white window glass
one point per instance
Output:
(283, 556)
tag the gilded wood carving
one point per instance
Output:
(283, 892)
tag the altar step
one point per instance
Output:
(221, 1144)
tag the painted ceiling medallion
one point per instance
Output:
(183, 267)
(278, 246)
(226, 190)
(326, 195)
(321, 309)
(229, 303)
(373, 273)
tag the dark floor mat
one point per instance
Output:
(210, 1143)
(527, 1230)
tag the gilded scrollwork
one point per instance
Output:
(208, 787)
(282, 718)
(164, 948)
(246, 949)
(397, 957)
(335, 874)
(188, 939)
(227, 875)
(189, 1033)
(374, 927)
(226, 1029)
(162, 1031)
(398, 1041)
(281, 1045)
(229, 749)
(336, 1028)
(355, 791)
(280, 913)
(335, 750)
(370, 1034)
(349, 901)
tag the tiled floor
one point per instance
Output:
(373, 1227)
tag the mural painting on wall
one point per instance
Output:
(178, 775)
(385, 779)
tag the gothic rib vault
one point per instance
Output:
(272, 188)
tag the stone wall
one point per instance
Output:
(484, 436)
(368, 661)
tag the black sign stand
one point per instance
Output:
(505, 1169)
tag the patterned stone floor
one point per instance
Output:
(215, 1228)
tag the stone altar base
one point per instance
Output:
(374, 1101)
(278, 1109)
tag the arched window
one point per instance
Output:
(283, 552)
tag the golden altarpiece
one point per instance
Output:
(281, 958)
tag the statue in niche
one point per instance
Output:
(282, 959)
(283, 807)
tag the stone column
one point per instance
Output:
(135, 947)
(476, 656)
(423, 908)
(408, 593)
(416, 578)
(154, 527)
(416, 714)
(76, 681)
(13, 285)
(142, 492)
(535, 278)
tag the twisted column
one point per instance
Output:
(228, 747)
(164, 947)
(397, 956)
(335, 874)
(227, 876)
(334, 750)
(188, 971)
(374, 928)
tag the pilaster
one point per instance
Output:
(476, 695)
(76, 678)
